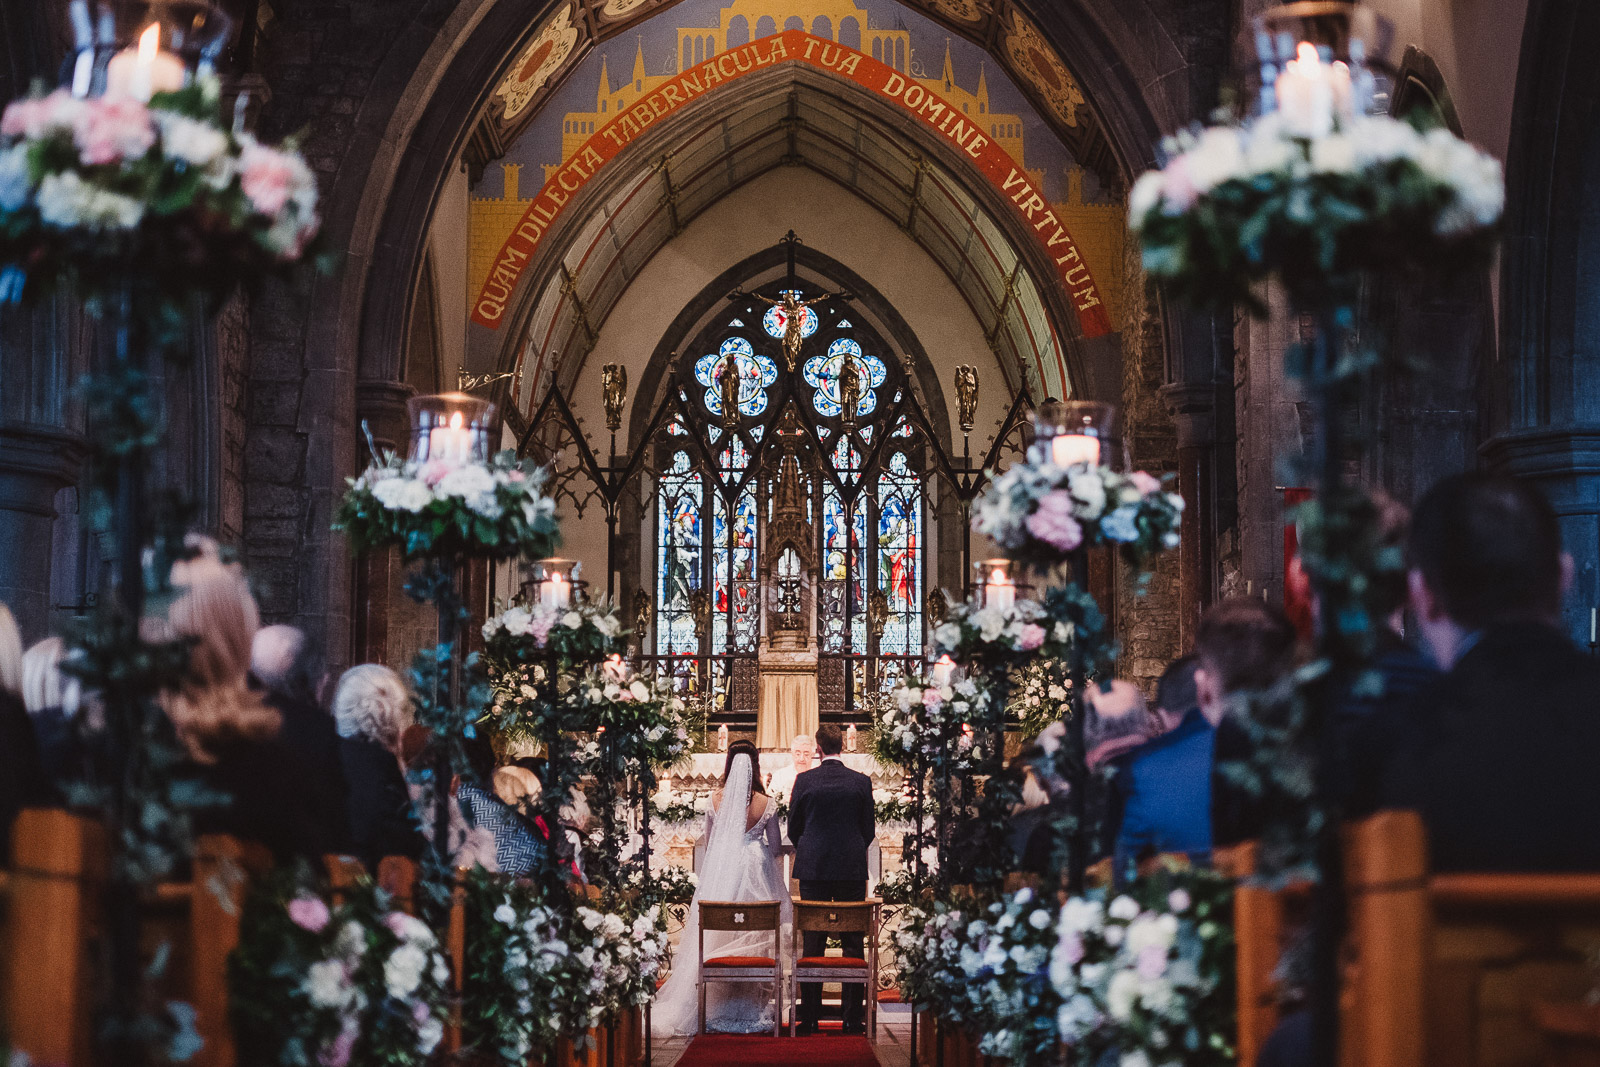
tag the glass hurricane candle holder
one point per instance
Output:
(139, 48)
(1321, 60)
(452, 428)
(555, 583)
(1073, 432)
(994, 584)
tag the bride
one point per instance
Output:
(740, 864)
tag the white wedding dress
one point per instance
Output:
(739, 865)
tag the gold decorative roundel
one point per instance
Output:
(960, 10)
(1036, 62)
(541, 58)
(616, 9)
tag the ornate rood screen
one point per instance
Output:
(790, 493)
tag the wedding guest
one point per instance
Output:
(803, 754)
(370, 709)
(229, 733)
(282, 663)
(1497, 754)
(22, 781)
(1033, 829)
(1171, 794)
(53, 699)
(1118, 720)
(518, 849)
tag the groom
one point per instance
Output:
(831, 824)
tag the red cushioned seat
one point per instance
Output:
(830, 961)
(739, 961)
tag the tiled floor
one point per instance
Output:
(893, 1046)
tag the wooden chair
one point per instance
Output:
(1452, 970)
(835, 918)
(753, 917)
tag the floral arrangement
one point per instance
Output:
(890, 806)
(542, 970)
(442, 508)
(582, 632)
(930, 946)
(109, 192)
(946, 723)
(670, 885)
(314, 985)
(679, 809)
(894, 888)
(638, 717)
(1040, 689)
(1009, 998)
(1149, 973)
(1041, 513)
(1311, 199)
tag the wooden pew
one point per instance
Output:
(1451, 970)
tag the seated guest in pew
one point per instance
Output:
(54, 701)
(1171, 794)
(22, 780)
(228, 730)
(1033, 832)
(518, 848)
(1498, 754)
(282, 662)
(371, 709)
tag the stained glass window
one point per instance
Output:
(678, 547)
(844, 571)
(899, 559)
(822, 374)
(756, 374)
(776, 320)
(733, 575)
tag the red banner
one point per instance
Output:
(793, 46)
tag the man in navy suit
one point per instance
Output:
(832, 825)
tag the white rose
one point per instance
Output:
(1267, 150)
(1089, 491)
(1383, 140)
(1136, 1058)
(68, 202)
(196, 143)
(572, 620)
(948, 635)
(1145, 196)
(429, 1035)
(1215, 158)
(639, 690)
(402, 494)
(471, 480)
(1121, 995)
(505, 915)
(325, 984)
(403, 971)
(1333, 154)
(1124, 908)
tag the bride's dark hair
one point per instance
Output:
(748, 748)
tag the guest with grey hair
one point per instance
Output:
(371, 709)
(54, 699)
(283, 665)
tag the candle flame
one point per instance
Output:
(149, 44)
(455, 421)
(998, 577)
(944, 659)
(1307, 54)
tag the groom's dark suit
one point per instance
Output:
(831, 824)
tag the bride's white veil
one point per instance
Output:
(723, 877)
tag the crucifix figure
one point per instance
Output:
(794, 319)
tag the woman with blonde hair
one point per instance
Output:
(22, 782)
(53, 699)
(228, 731)
(371, 709)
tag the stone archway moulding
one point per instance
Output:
(726, 70)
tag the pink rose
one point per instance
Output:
(419, 1013)
(33, 118)
(309, 913)
(930, 698)
(1147, 484)
(516, 476)
(268, 177)
(1179, 190)
(1030, 637)
(112, 129)
(1152, 962)
(539, 627)
(433, 472)
(1072, 947)
(1053, 523)
(337, 1052)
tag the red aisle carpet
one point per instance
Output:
(741, 1050)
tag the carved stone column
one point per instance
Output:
(1192, 406)
(377, 594)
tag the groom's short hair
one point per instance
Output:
(830, 739)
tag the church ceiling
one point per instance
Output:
(554, 125)
(801, 122)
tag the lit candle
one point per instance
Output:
(615, 670)
(1305, 93)
(452, 443)
(850, 738)
(666, 785)
(1594, 625)
(1000, 593)
(1072, 448)
(555, 591)
(722, 738)
(942, 671)
(144, 70)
